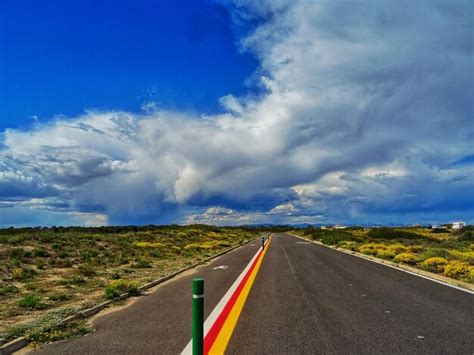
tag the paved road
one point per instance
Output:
(311, 299)
(306, 299)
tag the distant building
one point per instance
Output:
(340, 227)
(458, 225)
(436, 226)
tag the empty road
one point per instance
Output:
(302, 298)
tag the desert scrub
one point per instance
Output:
(406, 258)
(391, 233)
(31, 301)
(119, 287)
(385, 254)
(56, 255)
(23, 274)
(458, 270)
(70, 330)
(467, 256)
(397, 248)
(433, 253)
(86, 270)
(348, 245)
(41, 325)
(7, 289)
(371, 248)
(436, 264)
(142, 264)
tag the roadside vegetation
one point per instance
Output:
(47, 274)
(442, 251)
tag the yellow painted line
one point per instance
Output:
(222, 340)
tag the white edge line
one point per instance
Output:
(391, 266)
(220, 306)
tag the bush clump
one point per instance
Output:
(23, 274)
(371, 248)
(390, 233)
(334, 237)
(397, 248)
(86, 270)
(436, 264)
(386, 254)
(119, 287)
(457, 269)
(31, 301)
(406, 258)
(6, 289)
(142, 264)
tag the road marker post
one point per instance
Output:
(198, 316)
(263, 242)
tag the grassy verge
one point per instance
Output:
(49, 274)
(449, 253)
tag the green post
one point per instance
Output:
(198, 316)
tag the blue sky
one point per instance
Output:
(235, 112)
(63, 57)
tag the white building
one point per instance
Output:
(458, 225)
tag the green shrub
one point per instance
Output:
(391, 233)
(30, 286)
(77, 280)
(416, 249)
(142, 264)
(155, 253)
(348, 245)
(397, 248)
(435, 264)
(115, 275)
(433, 253)
(23, 274)
(89, 254)
(467, 235)
(40, 253)
(333, 237)
(119, 287)
(406, 258)
(176, 249)
(6, 289)
(467, 256)
(20, 253)
(41, 264)
(371, 248)
(440, 230)
(61, 263)
(386, 254)
(31, 301)
(59, 297)
(86, 270)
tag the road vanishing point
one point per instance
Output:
(292, 297)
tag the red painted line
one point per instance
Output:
(217, 326)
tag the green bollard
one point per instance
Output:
(198, 316)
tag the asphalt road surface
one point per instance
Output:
(306, 299)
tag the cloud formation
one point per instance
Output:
(365, 115)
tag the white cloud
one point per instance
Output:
(365, 109)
